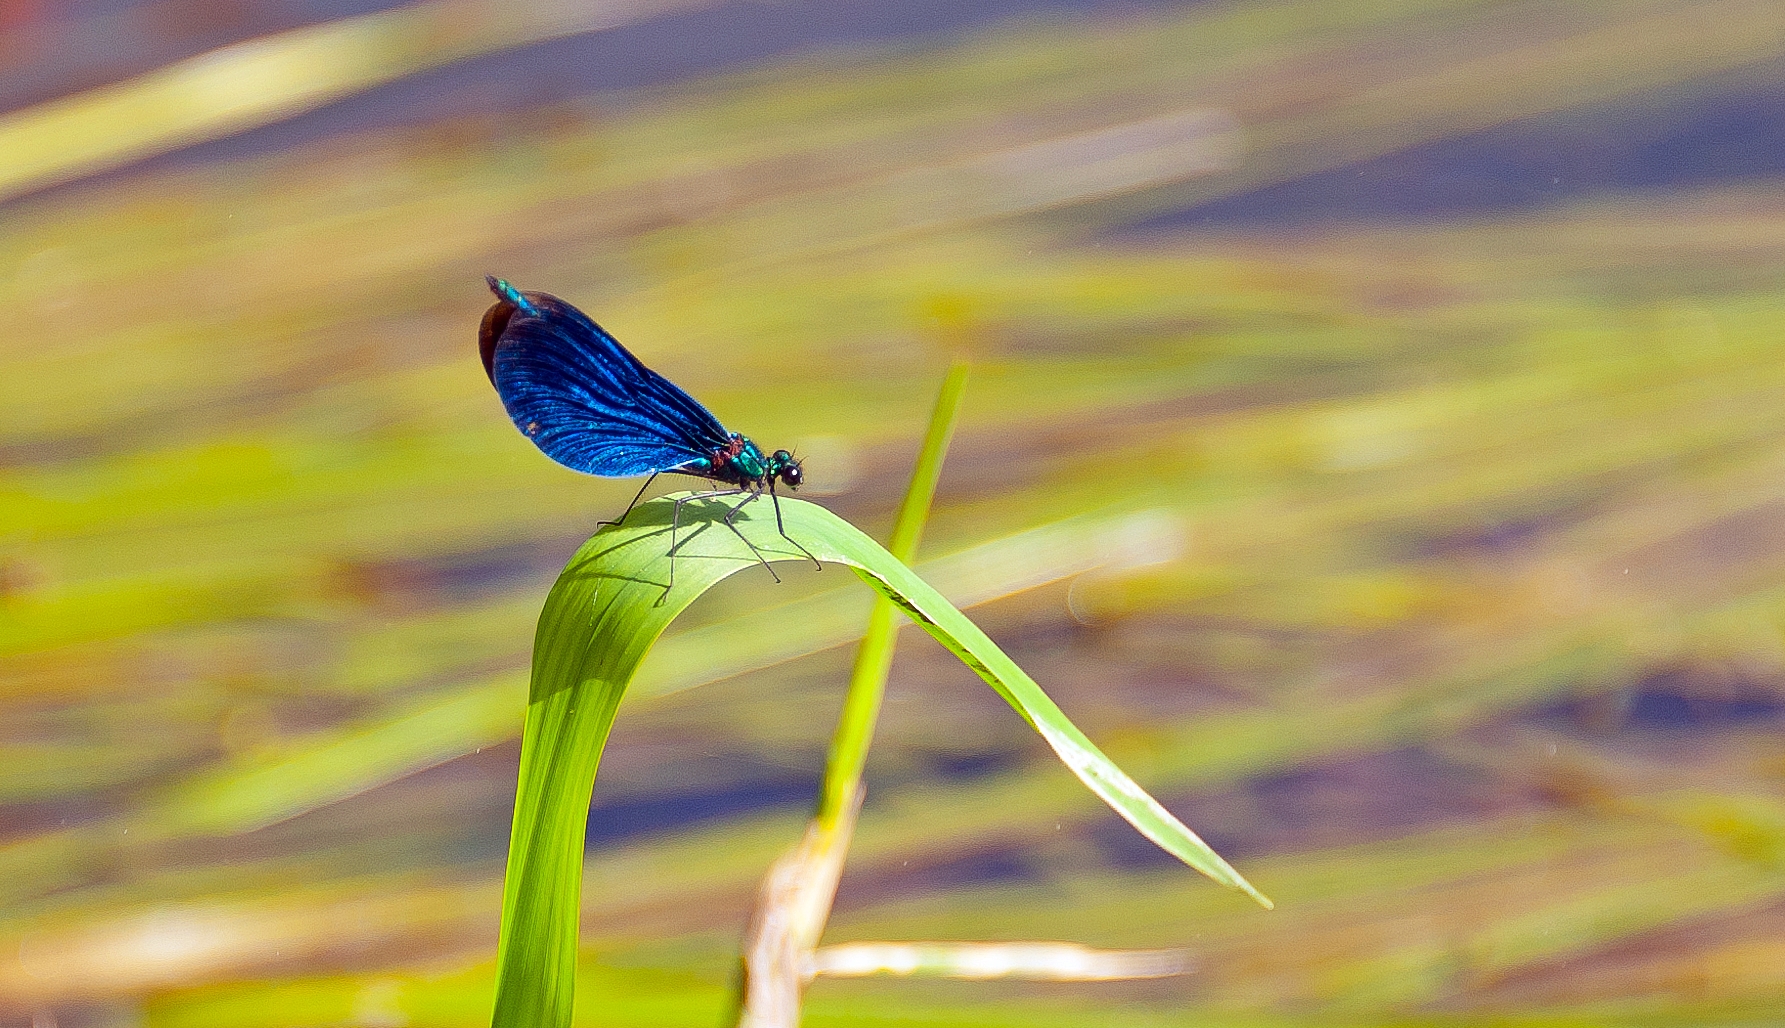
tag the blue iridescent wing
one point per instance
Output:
(582, 398)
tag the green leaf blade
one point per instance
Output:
(966, 641)
(609, 605)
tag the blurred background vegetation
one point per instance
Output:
(1377, 442)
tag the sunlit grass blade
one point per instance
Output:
(795, 901)
(611, 602)
(867, 681)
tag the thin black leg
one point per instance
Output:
(776, 497)
(675, 522)
(636, 497)
(733, 513)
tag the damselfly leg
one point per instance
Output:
(675, 523)
(635, 498)
(776, 498)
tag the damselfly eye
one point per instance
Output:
(791, 475)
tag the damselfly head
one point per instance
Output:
(786, 467)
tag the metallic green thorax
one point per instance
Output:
(742, 463)
(750, 463)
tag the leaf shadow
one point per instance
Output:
(658, 518)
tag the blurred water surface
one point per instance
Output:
(1376, 443)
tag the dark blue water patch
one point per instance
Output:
(455, 577)
(988, 867)
(1340, 802)
(1667, 702)
(998, 866)
(1731, 130)
(613, 821)
(961, 767)
(1490, 539)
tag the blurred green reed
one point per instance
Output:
(840, 790)
(1270, 507)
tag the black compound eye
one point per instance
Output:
(791, 475)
